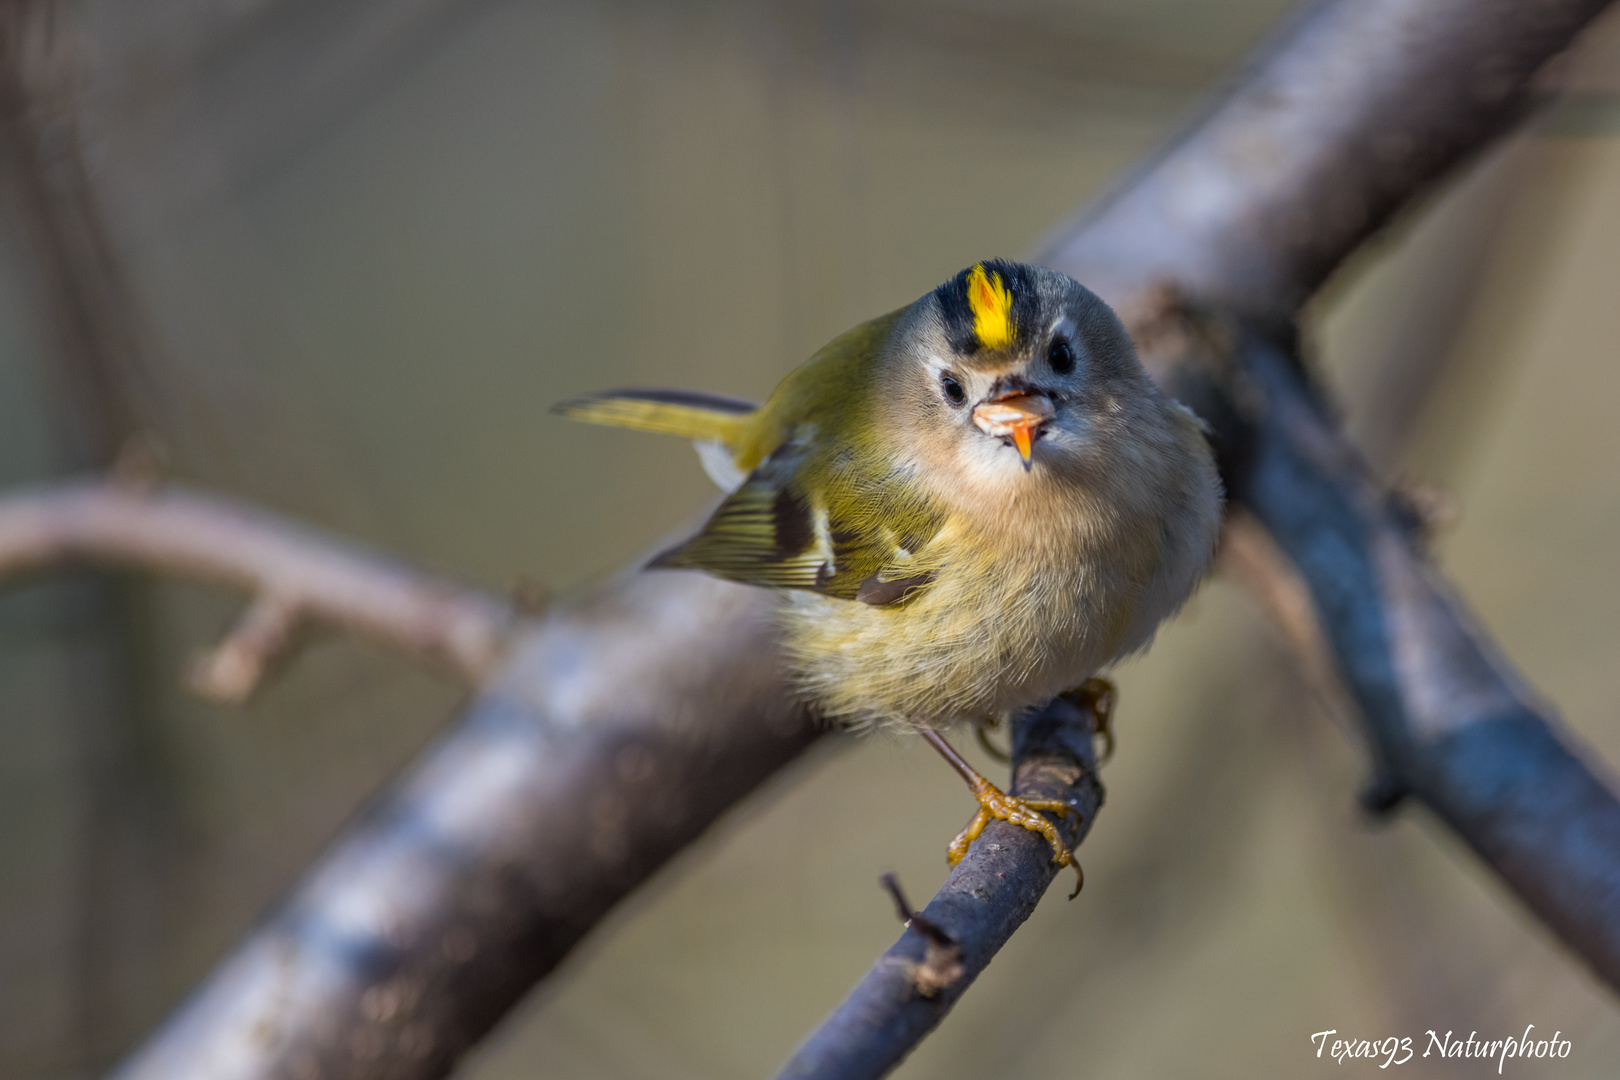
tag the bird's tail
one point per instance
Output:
(696, 416)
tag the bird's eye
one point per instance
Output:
(1061, 357)
(952, 389)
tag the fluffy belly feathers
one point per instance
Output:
(969, 647)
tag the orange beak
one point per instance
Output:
(1018, 416)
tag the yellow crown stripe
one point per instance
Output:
(992, 308)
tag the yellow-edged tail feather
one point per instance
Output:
(701, 417)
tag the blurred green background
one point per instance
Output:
(371, 242)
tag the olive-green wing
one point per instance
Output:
(870, 545)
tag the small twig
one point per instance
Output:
(296, 574)
(986, 898)
(942, 964)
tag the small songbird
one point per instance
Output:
(972, 505)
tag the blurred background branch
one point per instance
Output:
(290, 574)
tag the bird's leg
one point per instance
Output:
(993, 803)
(1098, 697)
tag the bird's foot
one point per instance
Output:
(994, 803)
(1098, 697)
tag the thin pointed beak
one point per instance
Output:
(1016, 416)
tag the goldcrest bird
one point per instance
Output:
(972, 505)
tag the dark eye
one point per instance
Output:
(1061, 357)
(952, 389)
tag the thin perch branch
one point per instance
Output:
(292, 572)
(986, 898)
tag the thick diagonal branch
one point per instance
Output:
(618, 729)
(599, 746)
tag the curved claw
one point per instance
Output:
(1098, 696)
(982, 733)
(1079, 878)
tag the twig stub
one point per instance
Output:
(231, 671)
(942, 964)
